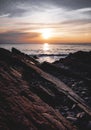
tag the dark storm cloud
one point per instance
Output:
(11, 7)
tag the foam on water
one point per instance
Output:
(48, 52)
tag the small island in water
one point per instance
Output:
(45, 96)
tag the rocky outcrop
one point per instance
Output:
(75, 71)
(32, 99)
(25, 103)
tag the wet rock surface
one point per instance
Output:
(28, 101)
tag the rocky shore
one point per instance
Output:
(45, 96)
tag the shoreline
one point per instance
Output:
(49, 53)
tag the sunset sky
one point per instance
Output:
(39, 21)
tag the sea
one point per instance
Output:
(48, 52)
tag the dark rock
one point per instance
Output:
(89, 125)
(24, 56)
(25, 96)
(75, 71)
(29, 99)
(35, 57)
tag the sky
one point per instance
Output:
(40, 21)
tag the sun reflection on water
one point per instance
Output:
(46, 47)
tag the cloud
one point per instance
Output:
(16, 36)
(11, 8)
(73, 4)
(54, 25)
(19, 7)
(27, 17)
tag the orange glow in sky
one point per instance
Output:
(45, 21)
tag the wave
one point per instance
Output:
(40, 55)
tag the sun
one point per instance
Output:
(46, 33)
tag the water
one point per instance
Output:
(48, 52)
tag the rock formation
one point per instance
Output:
(33, 96)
